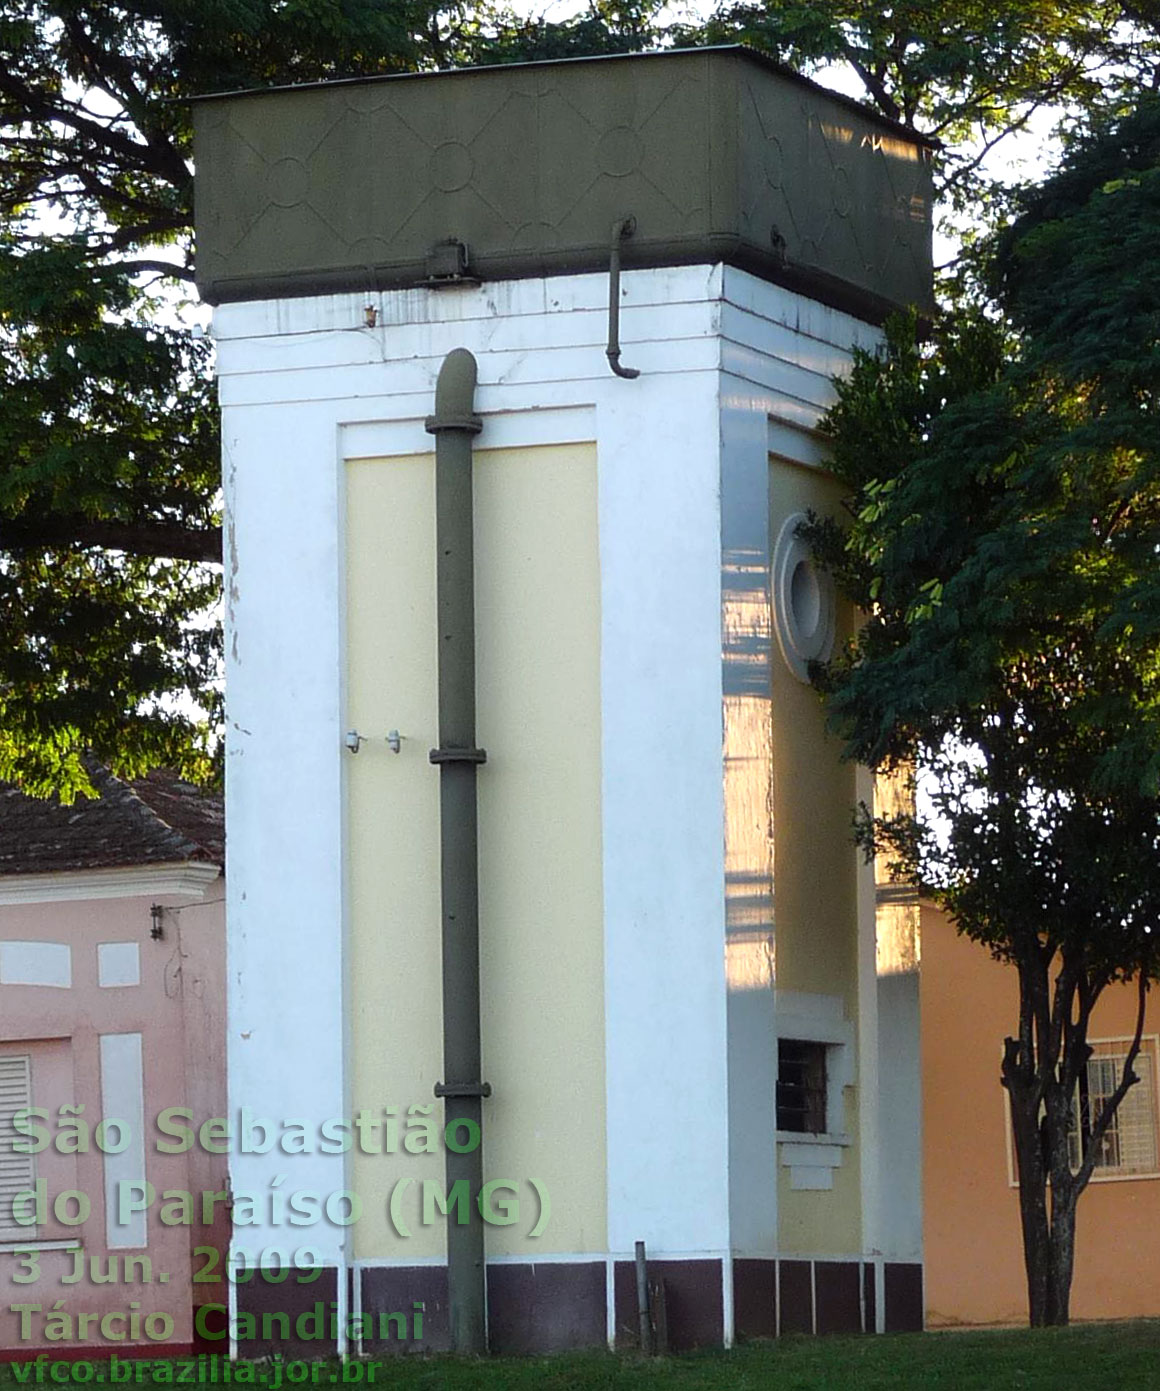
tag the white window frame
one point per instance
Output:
(1150, 1047)
(806, 1018)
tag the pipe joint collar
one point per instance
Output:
(456, 755)
(471, 424)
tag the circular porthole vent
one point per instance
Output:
(803, 601)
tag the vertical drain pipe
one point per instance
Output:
(453, 425)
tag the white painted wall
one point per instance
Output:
(305, 384)
(731, 367)
(283, 794)
(663, 815)
(750, 948)
(36, 963)
(779, 353)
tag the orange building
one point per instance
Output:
(973, 1249)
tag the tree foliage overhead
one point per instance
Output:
(1008, 476)
(1005, 545)
(966, 72)
(107, 514)
(108, 485)
(109, 471)
(93, 95)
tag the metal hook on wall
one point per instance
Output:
(624, 228)
(354, 740)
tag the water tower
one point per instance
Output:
(535, 830)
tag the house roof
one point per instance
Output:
(152, 820)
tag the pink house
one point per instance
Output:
(112, 1011)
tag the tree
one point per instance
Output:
(1005, 547)
(109, 477)
(965, 72)
(109, 518)
(109, 441)
(106, 512)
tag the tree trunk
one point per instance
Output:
(1065, 1191)
(1061, 1262)
(1033, 1217)
(1022, 1078)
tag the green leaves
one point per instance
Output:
(106, 413)
(966, 73)
(108, 440)
(96, 644)
(1005, 546)
(109, 451)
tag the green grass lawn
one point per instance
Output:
(1113, 1355)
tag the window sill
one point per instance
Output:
(809, 1137)
(811, 1158)
(8, 1248)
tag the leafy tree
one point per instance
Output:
(107, 514)
(965, 72)
(1005, 546)
(95, 197)
(109, 519)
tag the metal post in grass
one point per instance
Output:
(642, 1304)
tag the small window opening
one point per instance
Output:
(801, 1086)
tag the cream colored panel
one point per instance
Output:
(538, 617)
(393, 827)
(538, 672)
(815, 900)
(815, 880)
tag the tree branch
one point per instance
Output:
(1065, 988)
(140, 267)
(41, 108)
(1128, 1078)
(103, 62)
(988, 145)
(158, 539)
(1073, 1061)
(125, 237)
(876, 88)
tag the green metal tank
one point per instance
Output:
(717, 154)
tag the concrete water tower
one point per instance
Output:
(595, 896)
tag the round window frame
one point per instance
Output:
(799, 648)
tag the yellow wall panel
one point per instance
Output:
(541, 921)
(815, 879)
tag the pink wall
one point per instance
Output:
(178, 1009)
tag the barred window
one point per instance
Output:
(801, 1086)
(1130, 1147)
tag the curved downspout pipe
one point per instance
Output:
(624, 228)
(453, 425)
